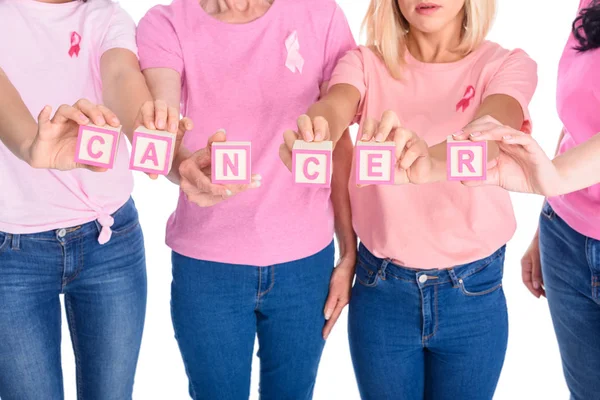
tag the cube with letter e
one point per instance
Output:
(375, 163)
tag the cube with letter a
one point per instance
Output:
(97, 146)
(467, 161)
(311, 163)
(231, 162)
(375, 163)
(152, 151)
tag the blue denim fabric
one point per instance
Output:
(104, 288)
(571, 270)
(428, 334)
(218, 310)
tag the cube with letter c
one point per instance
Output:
(152, 151)
(375, 163)
(311, 163)
(231, 162)
(467, 161)
(97, 146)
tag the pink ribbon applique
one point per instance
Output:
(294, 59)
(466, 100)
(75, 42)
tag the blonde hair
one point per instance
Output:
(387, 28)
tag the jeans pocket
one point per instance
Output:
(3, 242)
(365, 275)
(126, 219)
(548, 211)
(485, 281)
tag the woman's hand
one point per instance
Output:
(195, 180)
(55, 143)
(309, 130)
(531, 268)
(340, 287)
(521, 165)
(157, 115)
(414, 163)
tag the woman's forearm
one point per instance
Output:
(338, 107)
(124, 88)
(17, 126)
(340, 196)
(579, 166)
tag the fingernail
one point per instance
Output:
(222, 130)
(255, 184)
(458, 133)
(328, 314)
(536, 285)
(507, 137)
(319, 136)
(173, 127)
(475, 134)
(228, 192)
(308, 136)
(101, 121)
(115, 120)
(364, 138)
(379, 137)
(160, 123)
(257, 177)
(83, 117)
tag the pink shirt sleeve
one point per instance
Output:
(350, 70)
(120, 33)
(158, 42)
(517, 78)
(339, 42)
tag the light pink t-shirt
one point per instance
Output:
(578, 101)
(443, 224)
(38, 52)
(234, 76)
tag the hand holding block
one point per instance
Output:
(152, 151)
(375, 163)
(311, 163)
(231, 162)
(467, 161)
(97, 146)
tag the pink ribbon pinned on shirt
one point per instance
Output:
(75, 42)
(294, 58)
(466, 100)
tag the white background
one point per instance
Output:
(532, 369)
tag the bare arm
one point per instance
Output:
(17, 127)
(124, 89)
(580, 166)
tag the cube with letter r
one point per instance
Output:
(467, 161)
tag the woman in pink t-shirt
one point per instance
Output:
(563, 261)
(249, 260)
(428, 316)
(65, 229)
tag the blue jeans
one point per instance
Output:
(104, 289)
(428, 334)
(571, 270)
(219, 309)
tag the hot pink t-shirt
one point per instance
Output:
(234, 76)
(443, 224)
(578, 101)
(42, 62)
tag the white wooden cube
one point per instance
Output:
(467, 160)
(97, 145)
(375, 163)
(312, 163)
(152, 151)
(231, 162)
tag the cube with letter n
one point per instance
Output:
(231, 162)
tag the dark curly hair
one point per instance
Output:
(586, 27)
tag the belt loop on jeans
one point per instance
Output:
(15, 242)
(455, 280)
(383, 267)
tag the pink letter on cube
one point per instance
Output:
(311, 163)
(152, 151)
(231, 162)
(375, 163)
(467, 161)
(97, 145)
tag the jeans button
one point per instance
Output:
(423, 278)
(62, 233)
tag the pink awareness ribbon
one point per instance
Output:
(294, 59)
(466, 100)
(75, 42)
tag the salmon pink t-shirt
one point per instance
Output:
(51, 54)
(243, 78)
(578, 100)
(444, 224)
